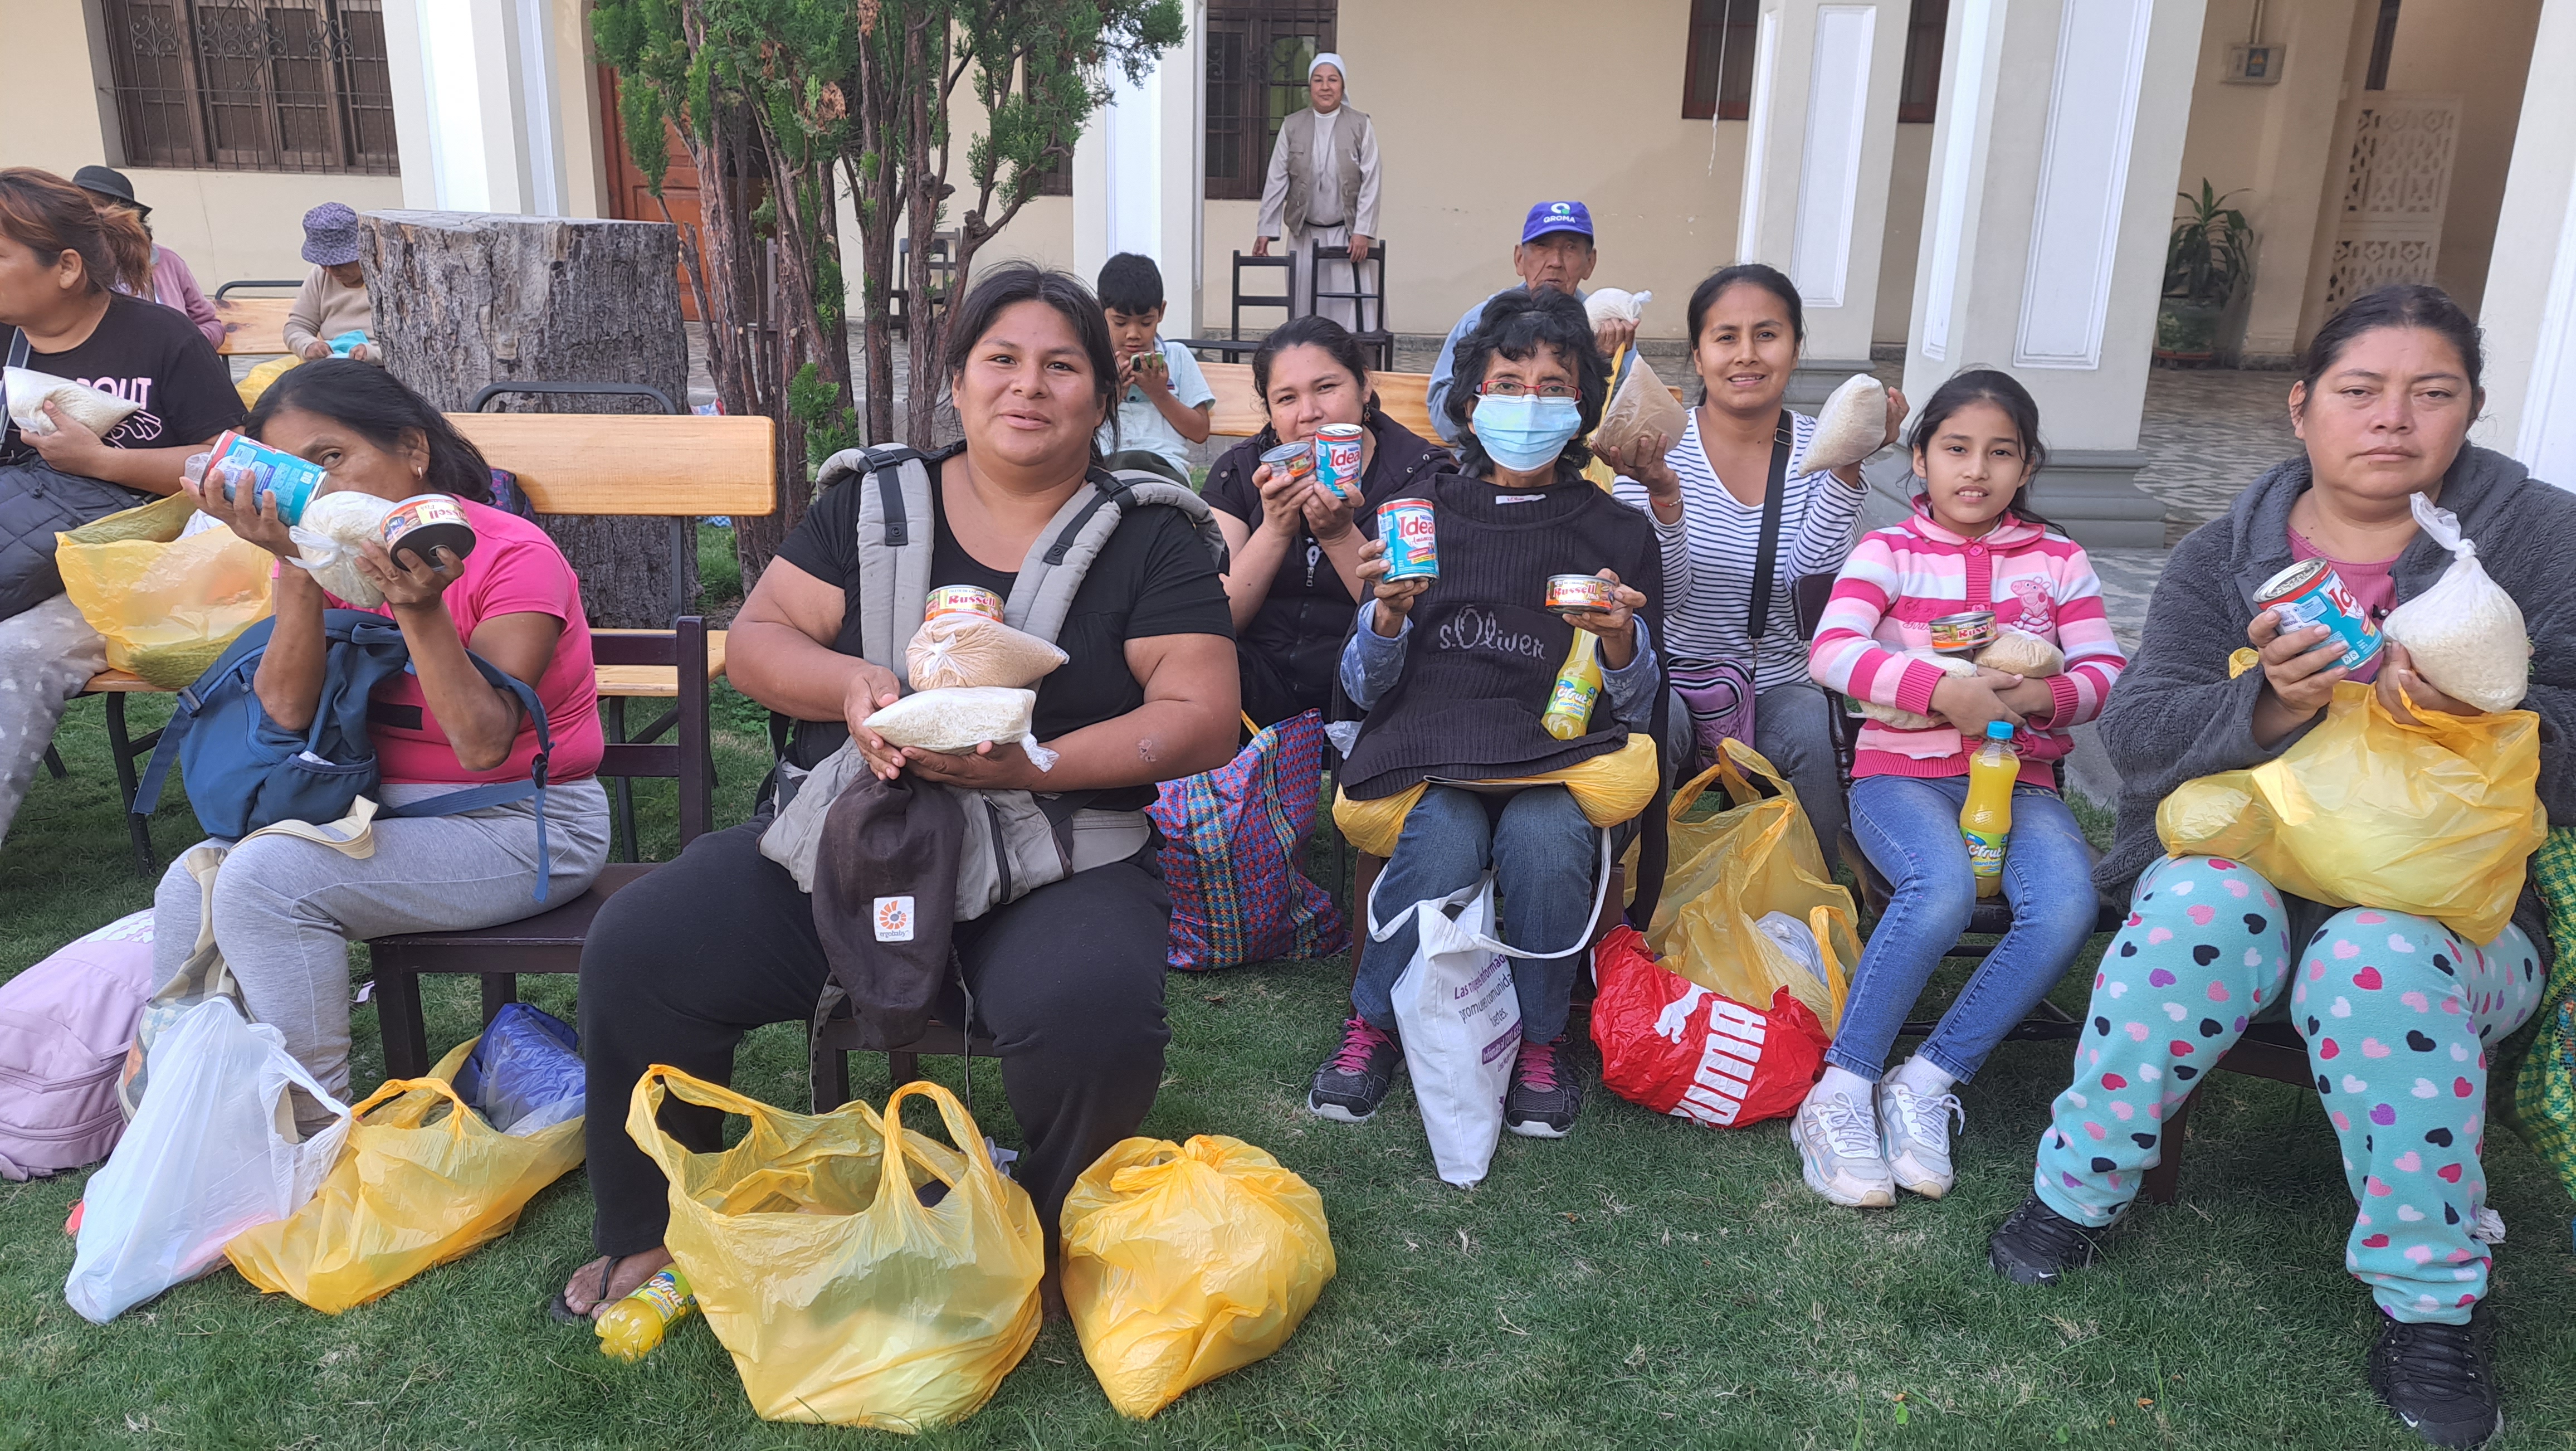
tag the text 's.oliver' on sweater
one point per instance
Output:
(1485, 649)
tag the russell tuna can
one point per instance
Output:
(962, 599)
(1569, 594)
(1337, 458)
(1412, 549)
(236, 460)
(1292, 461)
(426, 523)
(1964, 633)
(2311, 593)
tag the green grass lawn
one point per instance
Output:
(1643, 1283)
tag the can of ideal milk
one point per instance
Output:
(1412, 551)
(426, 523)
(237, 459)
(1337, 458)
(2311, 593)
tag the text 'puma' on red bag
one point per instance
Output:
(1675, 1047)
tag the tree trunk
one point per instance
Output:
(465, 299)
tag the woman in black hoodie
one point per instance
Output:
(1293, 579)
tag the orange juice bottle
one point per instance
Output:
(1986, 821)
(635, 1325)
(1578, 684)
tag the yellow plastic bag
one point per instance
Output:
(842, 1297)
(422, 1180)
(1730, 870)
(1610, 788)
(168, 606)
(256, 381)
(2437, 819)
(1185, 1261)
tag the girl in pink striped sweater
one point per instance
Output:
(1971, 545)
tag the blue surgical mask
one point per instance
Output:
(1525, 433)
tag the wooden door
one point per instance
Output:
(630, 195)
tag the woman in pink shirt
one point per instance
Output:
(284, 907)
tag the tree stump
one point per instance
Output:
(467, 299)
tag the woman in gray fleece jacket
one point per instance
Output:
(2397, 1011)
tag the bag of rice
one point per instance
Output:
(2019, 652)
(960, 718)
(1850, 427)
(2466, 633)
(950, 651)
(1614, 304)
(328, 534)
(90, 408)
(1898, 716)
(1643, 408)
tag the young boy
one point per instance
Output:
(1164, 400)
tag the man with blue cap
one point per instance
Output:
(1556, 251)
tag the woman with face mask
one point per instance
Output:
(1456, 673)
(1708, 491)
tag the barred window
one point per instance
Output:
(1717, 68)
(253, 85)
(1257, 54)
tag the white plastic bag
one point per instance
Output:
(1851, 425)
(1460, 1020)
(328, 534)
(2466, 633)
(962, 718)
(211, 1153)
(1614, 304)
(89, 407)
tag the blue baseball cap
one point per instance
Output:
(1549, 217)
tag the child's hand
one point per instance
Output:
(1151, 375)
(1126, 373)
(1968, 702)
(2028, 694)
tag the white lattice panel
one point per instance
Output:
(2396, 188)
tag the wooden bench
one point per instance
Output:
(673, 466)
(254, 326)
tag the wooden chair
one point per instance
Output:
(837, 1037)
(943, 274)
(551, 941)
(1368, 304)
(254, 326)
(1284, 300)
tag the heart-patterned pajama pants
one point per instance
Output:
(2397, 1012)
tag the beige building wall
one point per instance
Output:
(57, 112)
(1907, 174)
(2480, 51)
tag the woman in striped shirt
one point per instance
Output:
(1973, 544)
(1706, 493)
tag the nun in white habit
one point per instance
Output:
(1323, 189)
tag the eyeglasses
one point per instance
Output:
(1514, 388)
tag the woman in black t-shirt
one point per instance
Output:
(61, 256)
(1067, 979)
(1294, 576)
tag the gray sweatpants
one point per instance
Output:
(46, 655)
(286, 909)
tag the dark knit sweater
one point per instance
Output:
(2176, 716)
(1485, 648)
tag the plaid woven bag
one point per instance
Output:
(1234, 846)
(2544, 1091)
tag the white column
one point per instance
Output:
(477, 122)
(1138, 179)
(1817, 152)
(2529, 310)
(2060, 134)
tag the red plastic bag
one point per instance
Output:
(1675, 1047)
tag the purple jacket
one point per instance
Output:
(174, 286)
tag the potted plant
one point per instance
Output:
(2208, 260)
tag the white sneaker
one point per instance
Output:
(1838, 1145)
(1914, 1133)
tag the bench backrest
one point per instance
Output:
(253, 326)
(655, 465)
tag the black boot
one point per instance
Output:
(2435, 1379)
(2035, 1245)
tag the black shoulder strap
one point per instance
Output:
(1766, 555)
(17, 359)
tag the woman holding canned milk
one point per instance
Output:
(2398, 1012)
(1456, 659)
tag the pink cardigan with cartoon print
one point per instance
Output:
(1898, 580)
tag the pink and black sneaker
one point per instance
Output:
(1354, 1081)
(1544, 1096)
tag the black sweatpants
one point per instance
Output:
(1068, 980)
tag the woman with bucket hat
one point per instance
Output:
(334, 302)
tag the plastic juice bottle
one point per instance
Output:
(635, 1325)
(1986, 821)
(1578, 684)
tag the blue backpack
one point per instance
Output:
(243, 771)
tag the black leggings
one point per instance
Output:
(1068, 980)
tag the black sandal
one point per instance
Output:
(561, 1310)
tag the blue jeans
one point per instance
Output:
(1910, 829)
(1543, 855)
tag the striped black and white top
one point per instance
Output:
(1709, 556)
